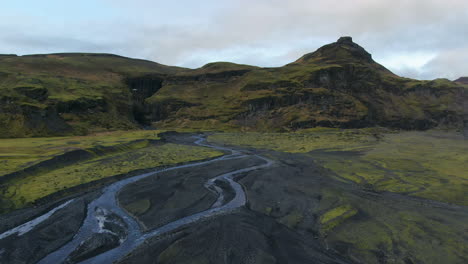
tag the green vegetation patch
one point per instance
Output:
(19, 153)
(335, 216)
(432, 165)
(429, 164)
(23, 191)
(328, 139)
(142, 154)
(373, 229)
(396, 236)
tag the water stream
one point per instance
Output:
(135, 237)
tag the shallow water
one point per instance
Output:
(108, 201)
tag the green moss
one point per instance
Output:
(336, 213)
(217, 67)
(395, 232)
(68, 80)
(403, 235)
(305, 141)
(425, 164)
(19, 153)
(333, 217)
(222, 96)
(25, 190)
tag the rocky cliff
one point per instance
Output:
(339, 85)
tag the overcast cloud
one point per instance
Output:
(422, 39)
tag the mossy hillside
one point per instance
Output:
(20, 192)
(62, 94)
(214, 68)
(339, 85)
(425, 164)
(382, 232)
(19, 153)
(91, 66)
(211, 99)
(323, 89)
(236, 102)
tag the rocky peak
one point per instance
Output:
(344, 50)
(345, 40)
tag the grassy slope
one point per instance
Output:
(331, 87)
(76, 82)
(339, 85)
(131, 152)
(214, 102)
(217, 104)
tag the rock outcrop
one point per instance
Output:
(338, 85)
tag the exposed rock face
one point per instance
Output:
(339, 85)
(343, 49)
(143, 87)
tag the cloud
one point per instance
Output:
(259, 32)
(449, 64)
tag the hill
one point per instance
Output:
(70, 93)
(462, 80)
(339, 85)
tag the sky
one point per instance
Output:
(422, 39)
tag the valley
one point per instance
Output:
(294, 194)
(331, 158)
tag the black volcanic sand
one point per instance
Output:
(171, 195)
(115, 229)
(281, 224)
(45, 237)
(250, 236)
(387, 227)
(243, 237)
(18, 217)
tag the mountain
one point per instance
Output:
(339, 85)
(462, 80)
